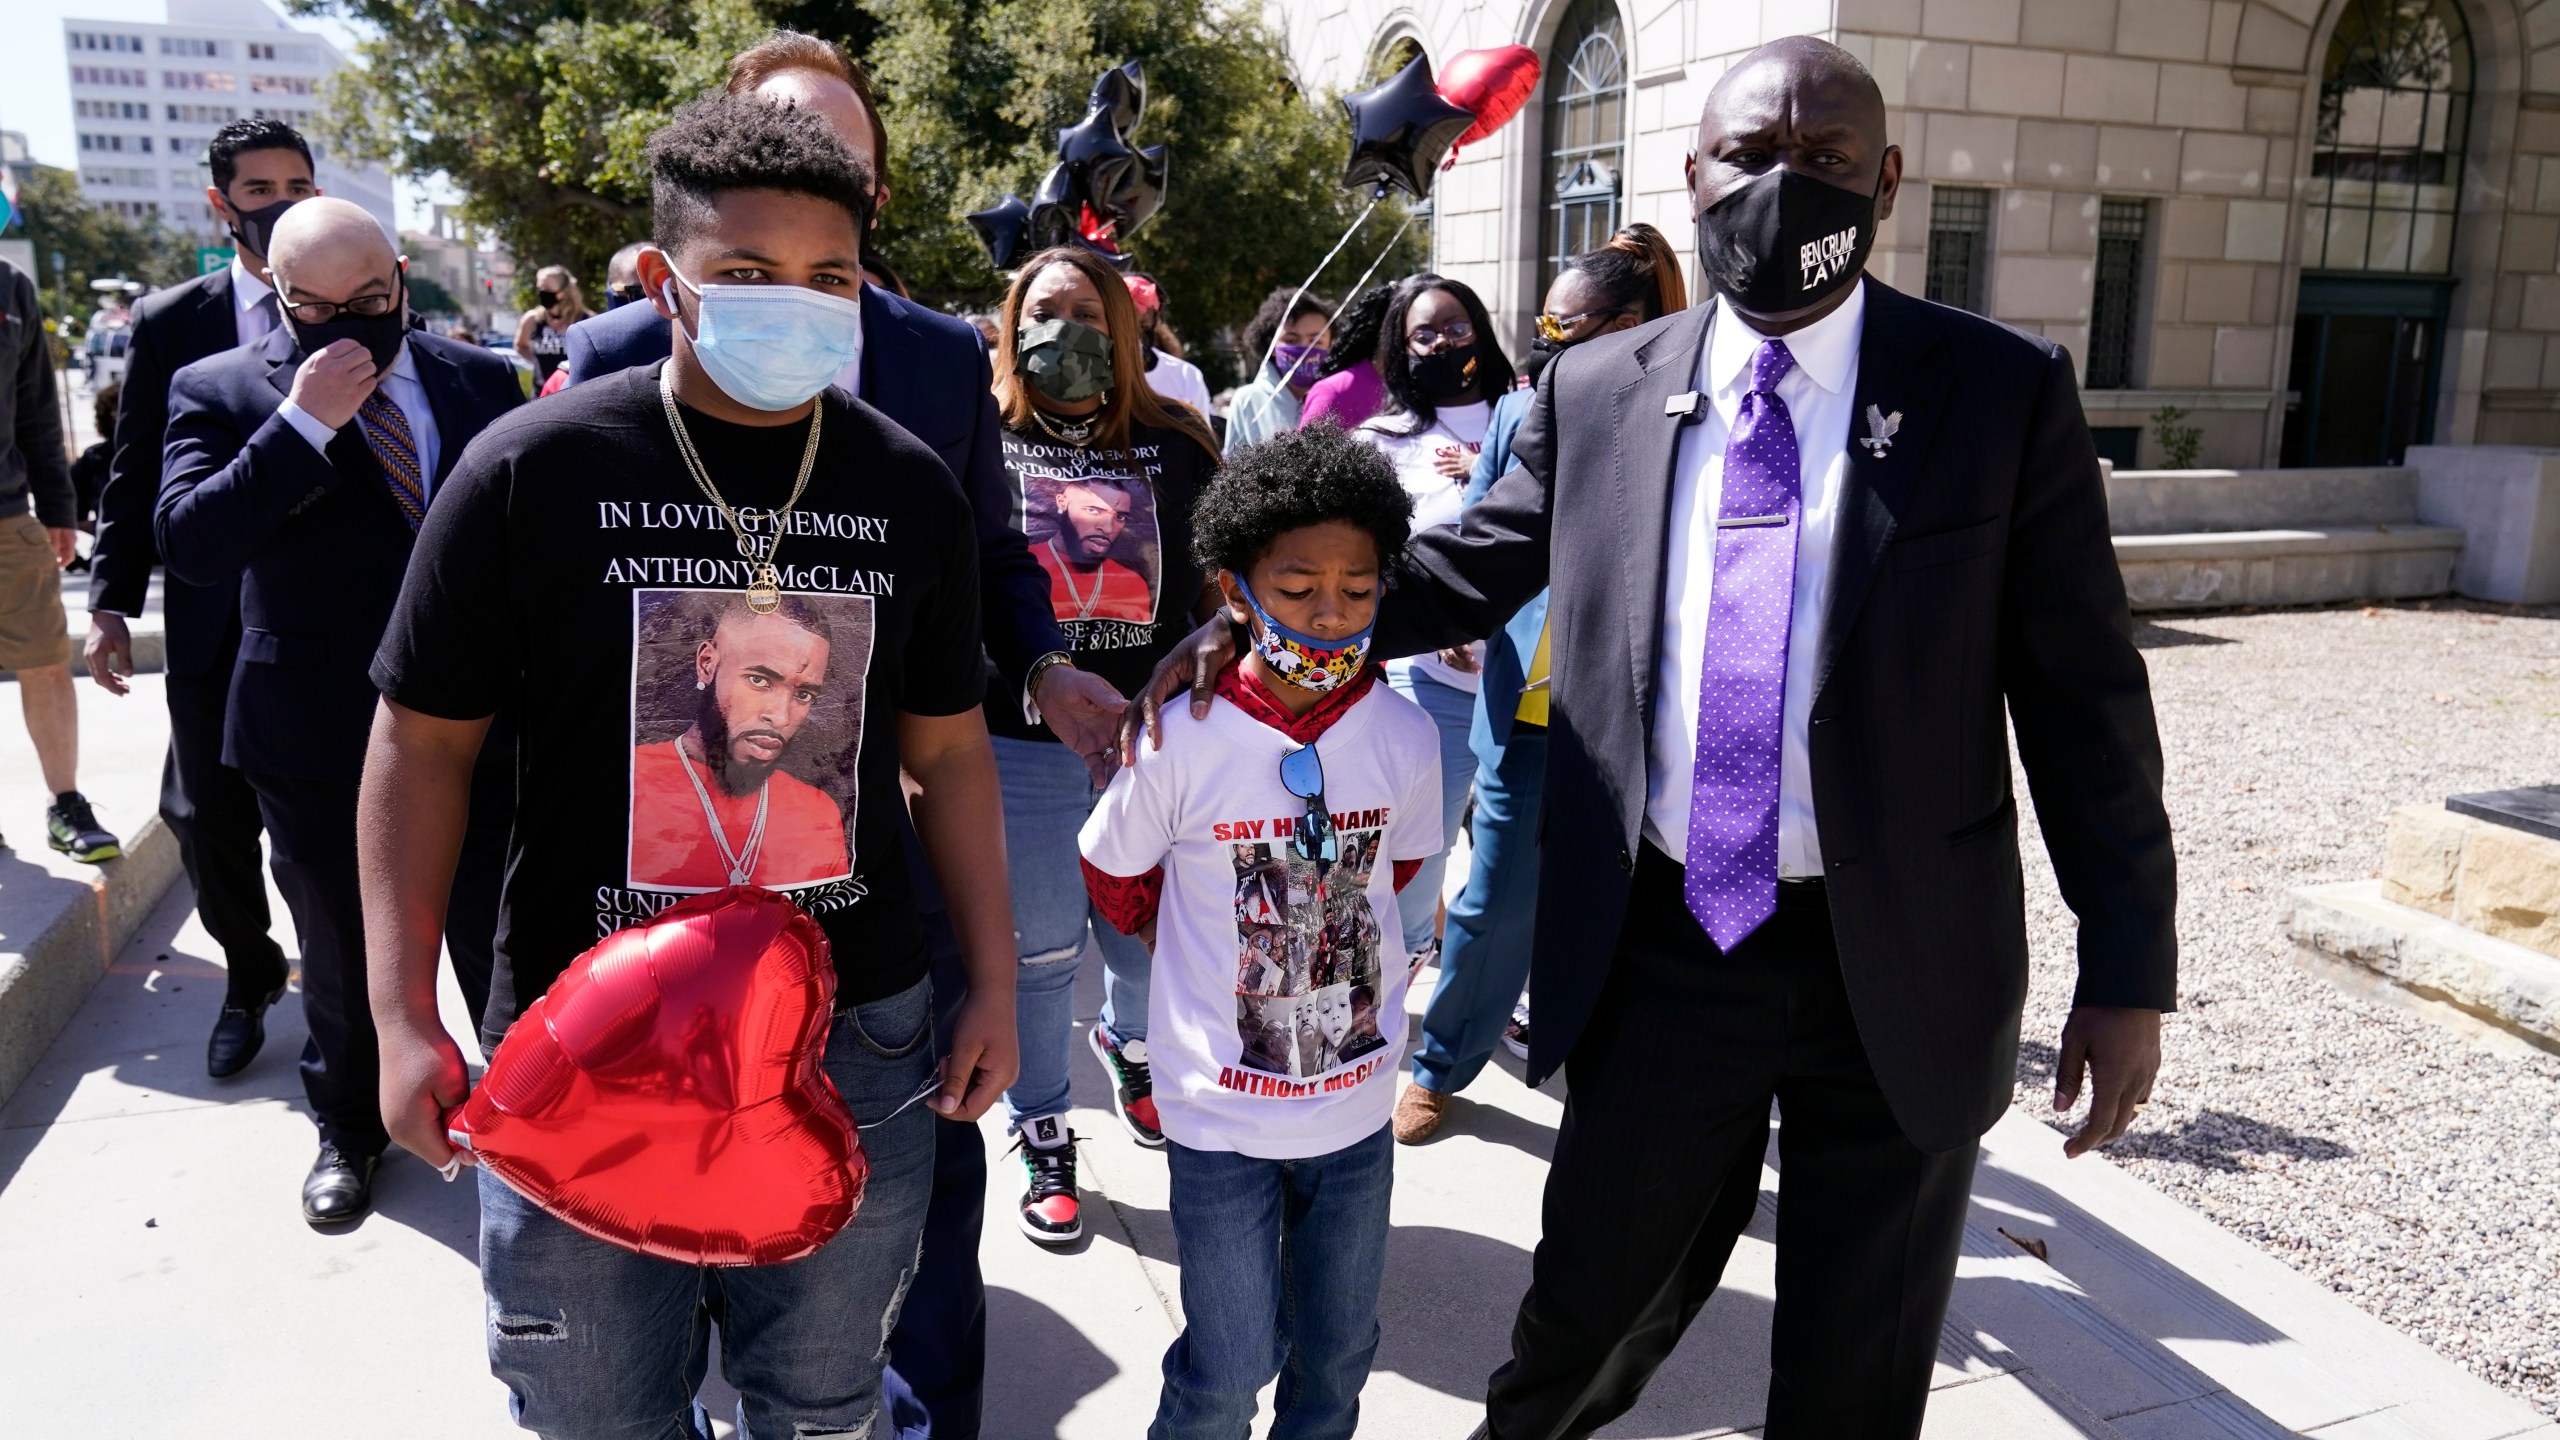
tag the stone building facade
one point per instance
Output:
(2324, 229)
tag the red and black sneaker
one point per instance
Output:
(1049, 1212)
(1133, 1085)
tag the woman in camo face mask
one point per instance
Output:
(1103, 472)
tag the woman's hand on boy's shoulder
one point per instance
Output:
(1192, 664)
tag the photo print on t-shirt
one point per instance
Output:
(1093, 527)
(746, 739)
(1307, 956)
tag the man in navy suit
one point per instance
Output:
(299, 468)
(260, 169)
(928, 372)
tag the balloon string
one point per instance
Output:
(1269, 350)
(1346, 298)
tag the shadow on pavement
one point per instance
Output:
(1040, 1367)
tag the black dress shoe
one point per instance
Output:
(238, 1033)
(339, 1189)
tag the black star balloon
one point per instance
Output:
(1122, 94)
(1002, 229)
(1400, 131)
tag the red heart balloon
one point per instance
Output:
(1491, 85)
(665, 1095)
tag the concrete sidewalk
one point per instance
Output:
(162, 1276)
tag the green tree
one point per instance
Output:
(427, 296)
(94, 244)
(540, 110)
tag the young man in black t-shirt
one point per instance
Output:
(717, 675)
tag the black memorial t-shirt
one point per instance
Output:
(672, 740)
(1112, 530)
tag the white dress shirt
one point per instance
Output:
(1176, 379)
(249, 323)
(1818, 393)
(405, 390)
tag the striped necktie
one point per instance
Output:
(386, 434)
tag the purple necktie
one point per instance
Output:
(1732, 882)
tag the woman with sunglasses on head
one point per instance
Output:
(1441, 370)
(1484, 959)
(542, 333)
(1105, 473)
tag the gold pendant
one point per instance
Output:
(764, 593)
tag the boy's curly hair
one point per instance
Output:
(1290, 481)
(720, 143)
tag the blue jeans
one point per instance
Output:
(1453, 713)
(1486, 958)
(1047, 794)
(1281, 1265)
(595, 1341)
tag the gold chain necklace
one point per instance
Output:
(764, 587)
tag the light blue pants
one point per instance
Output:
(1453, 713)
(1486, 958)
(1047, 794)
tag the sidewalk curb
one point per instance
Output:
(44, 979)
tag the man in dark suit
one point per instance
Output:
(300, 467)
(260, 169)
(1805, 545)
(928, 372)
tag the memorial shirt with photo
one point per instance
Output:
(1112, 529)
(1275, 1013)
(672, 740)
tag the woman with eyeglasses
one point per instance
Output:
(1441, 371)
(1105, 473)
(542, 333)
(1484, 958)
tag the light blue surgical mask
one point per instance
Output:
(772, 347)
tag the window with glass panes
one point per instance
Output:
(1959, 246)
(2386, 159)
(2115, 304)
(1586, 133)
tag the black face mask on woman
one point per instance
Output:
(1444, 375)
(1786, 242)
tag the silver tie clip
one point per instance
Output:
(1731, 521)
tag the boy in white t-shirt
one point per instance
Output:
(1265, 844)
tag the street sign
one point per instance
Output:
(209, 259)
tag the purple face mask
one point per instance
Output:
(1299, 363)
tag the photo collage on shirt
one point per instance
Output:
(1307, 971)
(1091, 519)
(746, 739)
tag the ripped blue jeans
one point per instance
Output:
(597, 1343)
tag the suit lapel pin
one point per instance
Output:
(1683, 406)
(1880, 431)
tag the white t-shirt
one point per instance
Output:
(1276, 1015)
(1179, 380)
(1438, 499)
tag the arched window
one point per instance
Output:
(2386, 165)
(1586, 132)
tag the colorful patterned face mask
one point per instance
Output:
(1304, 660)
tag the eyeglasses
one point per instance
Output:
(321, 312)
(1302, 771)
(1553, 328)
(1423, 339)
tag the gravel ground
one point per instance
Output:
(2403, 1165)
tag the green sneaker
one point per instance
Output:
(72, 827)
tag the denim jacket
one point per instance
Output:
(1507, 654)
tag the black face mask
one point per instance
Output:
(549, 298)
(621, 295)
(1542, 351)
(1786, 242)
(256, 229)
(1443, 375)
(380, 334)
